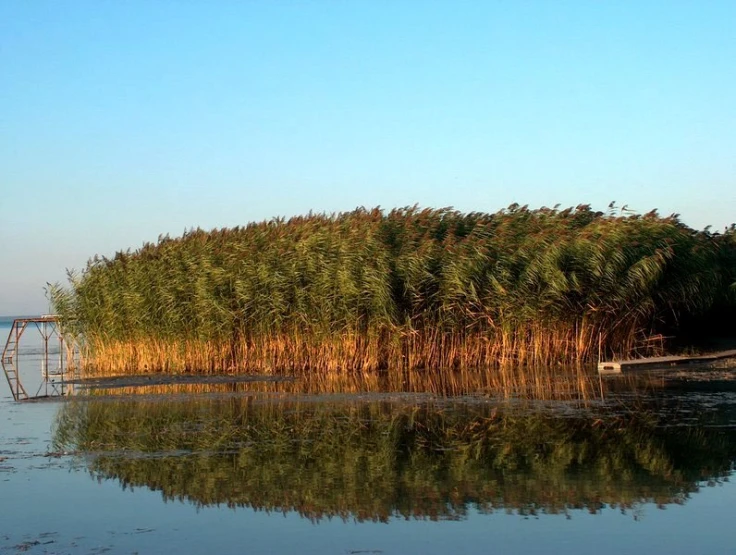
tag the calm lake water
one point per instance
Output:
(227, 469)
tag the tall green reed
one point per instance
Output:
(408, 288)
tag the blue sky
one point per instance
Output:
(120, 121)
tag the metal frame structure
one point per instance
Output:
(53, 372)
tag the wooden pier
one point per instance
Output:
(656, 363)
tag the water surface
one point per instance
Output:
(259, 469)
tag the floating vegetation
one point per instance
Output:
(370, 291)
(381, 460)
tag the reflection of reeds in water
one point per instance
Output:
(558, 384)
(407, 289)
(374, 461)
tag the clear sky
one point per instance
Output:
(120, 121)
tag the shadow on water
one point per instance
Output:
(400, 457)
(560, 384)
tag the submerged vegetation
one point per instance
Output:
(407, 289)
(378, 460)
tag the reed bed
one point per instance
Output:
(411, 288)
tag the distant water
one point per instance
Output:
(7, 321)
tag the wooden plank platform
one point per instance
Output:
(621, 366)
